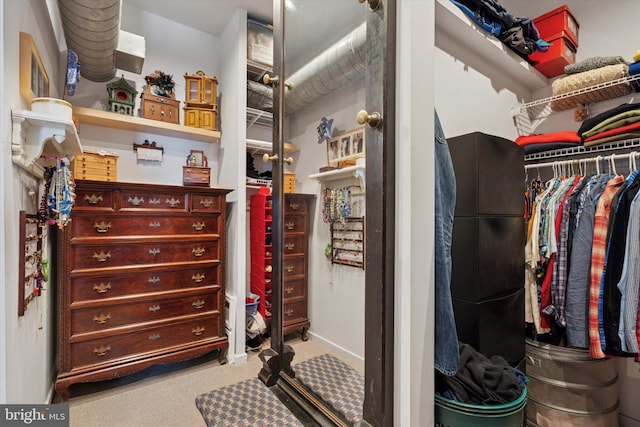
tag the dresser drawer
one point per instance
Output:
(293, 266)
(113, 226)
(293, 205)
(192, 175)
(145, 280)
(294, 245)
(137, 200)
(295, 310)
(93, 199)
(100, 317)
(295, 224)
(205, 203)
(136, 344)
(122, 254)
(293, 288)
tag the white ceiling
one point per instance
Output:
(209, 16)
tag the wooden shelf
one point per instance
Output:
(90, 116)
(472, 42)
(344, 173)
(255, 146)
(36, 134)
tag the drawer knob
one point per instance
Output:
(154, 308)
(136, 201)
(290, 246)
(290, 225)
(289, 312)
(289, 290)
(198, 226)
(198, 304)
(93, 199)
(102, 287)
(154, 337)
(102, 350)
(154, 202)
(154, 224)
(102, 257)
(102, 319)
(289, 268)
(294, 206)
(103, 227)
(207, 203)
(197, 331)
(154, 279)
(173, 203)
(154, 251)
(198, 251)
(197, 277)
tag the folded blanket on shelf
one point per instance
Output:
(633, 127)
(617, 137)
(259, 96)
(591, 122)
(586, 80)
(614, 122)
(545, 138)
(549, 146)
(593, 63)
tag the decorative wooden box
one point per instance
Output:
(289, 182)
(196, 175)
(160, 108)
(95, 166)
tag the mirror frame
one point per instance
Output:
(380, 257)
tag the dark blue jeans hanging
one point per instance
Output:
(446, 342)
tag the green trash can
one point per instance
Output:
(449, 413)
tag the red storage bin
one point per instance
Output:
(552, 24)
(551, 63)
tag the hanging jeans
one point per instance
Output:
(446, 343)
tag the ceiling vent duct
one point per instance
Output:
(340, 63)
(91, 29)
(130, 52)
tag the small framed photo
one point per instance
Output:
(197, 158)
(345, 146)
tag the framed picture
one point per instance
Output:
(197, 158)
(345, 146)
(34, 81)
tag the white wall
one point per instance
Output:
(28, 353)
(336, 292)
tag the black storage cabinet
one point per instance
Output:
(487, 281)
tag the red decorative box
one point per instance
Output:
(553, 23)
(551, 63)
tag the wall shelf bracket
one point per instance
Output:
(35, 134)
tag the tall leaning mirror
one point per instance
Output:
(331, 62)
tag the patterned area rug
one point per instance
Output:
(337, 383)
(245, 404)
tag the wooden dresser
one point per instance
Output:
(141, 279)
(295, 273)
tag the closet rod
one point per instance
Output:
(580, 161)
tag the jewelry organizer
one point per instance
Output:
(30, 268)
(347, 242)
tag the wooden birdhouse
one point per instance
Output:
(121, 97)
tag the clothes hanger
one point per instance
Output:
(612, 164)
(598, 164)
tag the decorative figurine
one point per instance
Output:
(324, 130)
(121, 97)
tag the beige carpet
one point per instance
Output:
(163, 396)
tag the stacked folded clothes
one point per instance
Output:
(536, 143)
(621, 122)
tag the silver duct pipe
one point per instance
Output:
(340, 63)
(91, 29)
